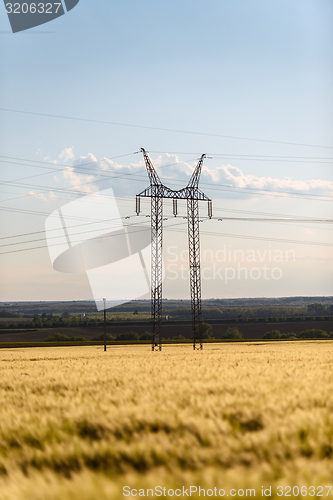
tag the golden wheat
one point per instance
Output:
(78, 423)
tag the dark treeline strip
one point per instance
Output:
(89, 307)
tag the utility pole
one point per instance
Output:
(157, 191)
(104, 300)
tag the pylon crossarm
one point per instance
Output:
(162, 191)
(194, 193)
(146, 193)
(181, 194)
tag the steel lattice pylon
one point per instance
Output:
(156, 268)
(157, 191)
(195, 274)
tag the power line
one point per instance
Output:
(135, 174)
(130, 175)
(230, 235)
(57, 244)
(245, 156)
(34, 212)
(125, 175)
(217, 156)
(118, 124)
(94, 221)
(268, 217)
(72, 234)
(83, 166)
(263, 238)
(266, 214)
(246, 219)
(263, 191)
(262, 219)
(52, 170)
(46, 214)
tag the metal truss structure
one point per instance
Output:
(157, 191)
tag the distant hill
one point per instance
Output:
(86, 306)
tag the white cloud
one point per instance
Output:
(42, 196)
(67, 154)
(87, 170)
(234, 177)
(81, 183)
(132, 178)
(48, 159)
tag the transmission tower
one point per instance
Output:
(157, 191)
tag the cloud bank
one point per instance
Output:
(88, 174)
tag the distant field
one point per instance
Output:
(14, 320)
(80, 424)
(249, 330)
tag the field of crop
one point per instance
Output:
(80, 424)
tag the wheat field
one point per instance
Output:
(78, 423)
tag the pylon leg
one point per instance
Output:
(195, 275)
(156, 270)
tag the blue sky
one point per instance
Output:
(258, 70)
